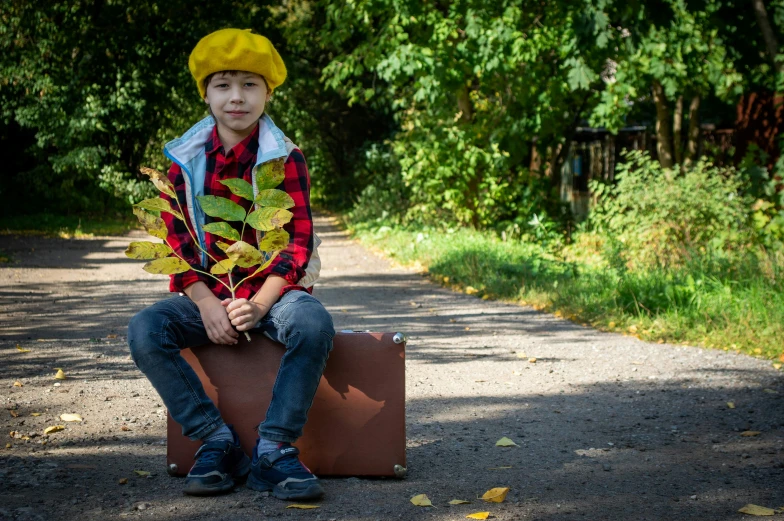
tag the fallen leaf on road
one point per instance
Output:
(749, 434)
(770, 391)
(521, 355)
(478, 515)
(8, 445)
(142, 473)
(125, 428)
(730, 405)
(303, 507)
(459, 502)
(776, 366)
(532, 360)
(467, 328)
(36, 413)
(471, 290)
(18, 384)
(505, 442)
(500, 468)
(54, 428)
(421, 500)
(70, 417)
(21, 349)
(12, 434)
(123, 481)
(60, 374)
(756, 510)
(111, 336)
(496, 495)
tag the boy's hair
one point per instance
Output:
(230, 73)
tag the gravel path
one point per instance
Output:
(607, 426)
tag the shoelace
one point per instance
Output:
(290, 465)
(210, 457)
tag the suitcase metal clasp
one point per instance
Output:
(399, 338)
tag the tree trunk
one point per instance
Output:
(677, 125)
(535, 166)
(767, 32)
(663, 129)
(464, 105)
(694, 131)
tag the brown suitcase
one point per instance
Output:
(356, 426)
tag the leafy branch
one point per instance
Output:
(268, 214)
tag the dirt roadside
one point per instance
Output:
(608, 427)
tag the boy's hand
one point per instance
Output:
(243, 313)
(216, 322)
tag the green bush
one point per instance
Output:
(654, 216)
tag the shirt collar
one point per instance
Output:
(245, 149)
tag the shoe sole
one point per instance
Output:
(314, 491)
(238, 476)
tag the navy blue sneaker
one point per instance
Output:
(281, 473)
(218, 465)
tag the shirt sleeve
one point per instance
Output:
(293, 260)
(179, 238)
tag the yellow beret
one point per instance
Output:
(236, 50)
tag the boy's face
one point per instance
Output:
(237, 101)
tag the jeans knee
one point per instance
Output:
(140, 329)
(313, 323)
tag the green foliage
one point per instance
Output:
(239, 253)
(663, 217)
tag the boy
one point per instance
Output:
(236, 72)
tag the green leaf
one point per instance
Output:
(264, 266)
(157, 204)
(580, 75)
(222, 267)
(152, 223)
(167, 266)
(239, 187)
(269, 218)
(274, 240)
(220, 207)
(148, 250)
(160, 181)
(223, 245)
(270, 175)
(222, 229)
(275, 199)
(243, 254)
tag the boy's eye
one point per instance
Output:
(221, 85)
(250, 84)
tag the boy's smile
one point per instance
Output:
(236, 102)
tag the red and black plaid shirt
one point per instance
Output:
(238, 163)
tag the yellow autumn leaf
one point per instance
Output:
(471, 290)
(756, 510)
(14, 413)
(496, 495)
(8, 445)
(421, 500)
(478, 515)
(459, 502)
(18, 384)
(303, 507)
(505, 442)
(532, 360)
(123, 481)
(749, 434)
(730, 405)
(142, 473)
(36, 413)
(21, 350)
(500, 468)
(70, 417)
(522, 355)
(60, 374)
(54, 428)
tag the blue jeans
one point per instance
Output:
(299, 321)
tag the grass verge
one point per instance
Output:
(66, 226)
(741, 309)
